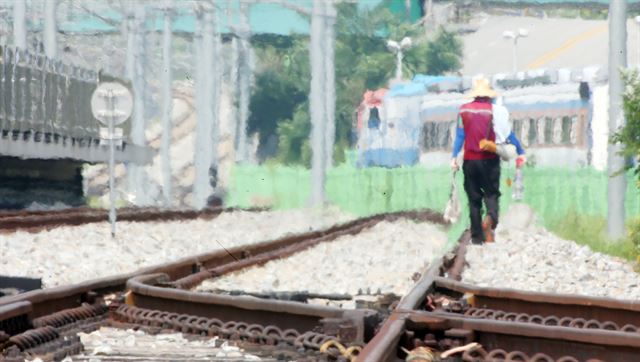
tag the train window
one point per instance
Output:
(566, 130)
(429, 135)
(517, 128)
(573, 130)
(442, 131)
(548, 130)
(557, 131)
(541, 126)
(452, 131)
(533, 131)
(585, 92)
(374, 118)
(524, 132)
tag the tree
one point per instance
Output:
(282, 85)
(629, 135)
(443, 53)
(362, 61)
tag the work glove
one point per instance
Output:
(520, 161)
(454, 165)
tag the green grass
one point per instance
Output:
(552, 192)
(591, 231)
(571, 202)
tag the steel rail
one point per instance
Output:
(152, 289)
(587, 327)
(39, 220)
(47, 301)
(64, 308)
(531, 339)
(547, 304)
(384, 346)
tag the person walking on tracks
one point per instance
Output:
(481, 166)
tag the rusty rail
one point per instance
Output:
(152, 292)
(145, 293)
(439, 313)
(47, 301)
(550, 309)
(78, 307)
(68, 308)
(443, 313)
(35, 221)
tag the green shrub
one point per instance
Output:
(591, 231)
(634, 237)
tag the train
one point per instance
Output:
(554, 114)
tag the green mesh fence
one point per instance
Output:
(552, 192)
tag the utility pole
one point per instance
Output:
(130, 32)
(428, 20)
(217, 70)
(137, 176)
(617, 183)
(329, 82)
(167, 103)
(20, 24)
(203, 155)
(234, 82)
(407, 10)
(316, 105)
(50, 29)
(244, 80)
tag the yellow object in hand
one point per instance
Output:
(488, 146)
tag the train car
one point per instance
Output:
(553, 118)
(389, 127)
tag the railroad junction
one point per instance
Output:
(187, 304)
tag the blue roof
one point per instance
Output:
(420, 84)
(407, 90)
(429, 80)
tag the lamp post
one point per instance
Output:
(521, 33)
(396, 47)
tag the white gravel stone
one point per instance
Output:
(73, 254)
(537, 260)
(137, 345)
(384, 257)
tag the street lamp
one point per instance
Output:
(404, 44)
(521, 33)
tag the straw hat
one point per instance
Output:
(481, 88)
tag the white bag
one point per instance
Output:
(452, 210)
(502, 129)
(506, 151)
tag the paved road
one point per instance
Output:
(552, 43)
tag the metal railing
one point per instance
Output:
(45, 98)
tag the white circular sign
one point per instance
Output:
(111, 102)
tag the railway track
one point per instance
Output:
(442, 318)
(35, 221)
(149, 303)
(493, 324)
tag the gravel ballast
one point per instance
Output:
(537, 260)
(73, 254)
(384, 257)
(129, 345)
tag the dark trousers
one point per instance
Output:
(482, 181)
